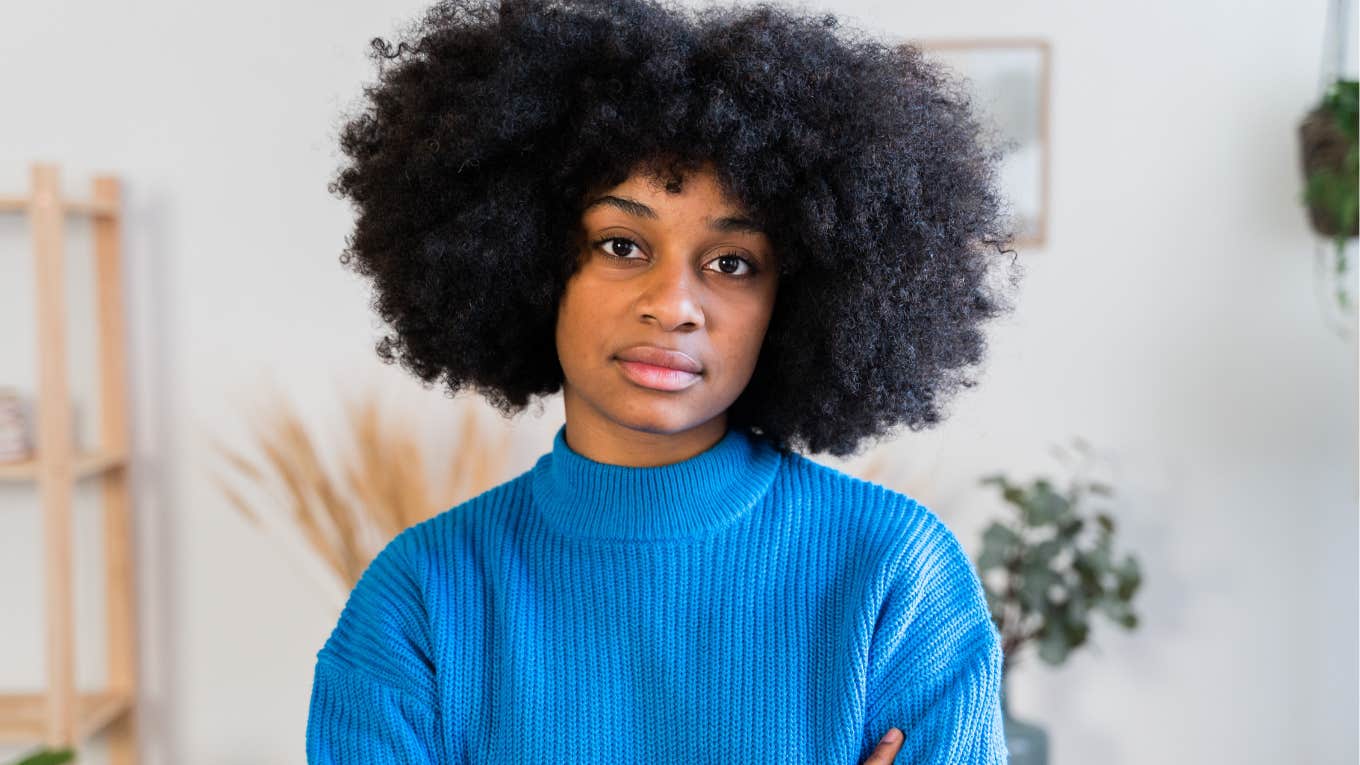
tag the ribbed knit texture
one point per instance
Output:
(741, 606)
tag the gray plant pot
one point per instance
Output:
(1026, 742)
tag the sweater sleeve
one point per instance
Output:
(935, 659)
(373, 691)
(354, 719)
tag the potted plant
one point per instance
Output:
(1044, 574)
(48, 757)
(1331, 161)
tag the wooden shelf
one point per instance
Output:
(94, 209)
(59, 715)
(23, 716)
(85, 465)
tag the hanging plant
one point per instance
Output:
(1330, 152)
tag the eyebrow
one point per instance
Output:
(726, 225)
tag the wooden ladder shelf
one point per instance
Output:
(61, 717)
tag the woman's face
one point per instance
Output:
(682, 272)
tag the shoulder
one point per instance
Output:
(906, 548)
(399, 586)
(444, 536)
(894, 522)
(826, 482)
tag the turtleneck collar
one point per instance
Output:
(583, 498)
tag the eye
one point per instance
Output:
(734, 260)
(629, 245)
(729, 263)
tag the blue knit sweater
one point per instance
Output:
(744, 605)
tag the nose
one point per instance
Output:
(669, 296)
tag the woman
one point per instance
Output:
(723, 235)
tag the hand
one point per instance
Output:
(886, 750)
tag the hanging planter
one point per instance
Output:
(1329, 152)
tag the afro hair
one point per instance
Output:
(489, 125)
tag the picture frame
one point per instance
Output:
(1010, 83)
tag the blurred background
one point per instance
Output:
(1182, 316)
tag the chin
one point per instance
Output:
(670, 418)
(656, 423)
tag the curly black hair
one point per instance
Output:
(864, 161)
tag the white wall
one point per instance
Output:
(1171, 321)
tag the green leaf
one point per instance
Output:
(1045, 505)
(1014, 496)
(1114, 608)
(1001, 535)
(1053, 648)
(1071, 528)
(1100, 488)
(1091, 588)
(1077, 632)
(1033, 587)
(1098, 558)
(49, 757)
(996, 479)
(1341, 101)
(992, 556)
(1077, 607)
(1129, 578)
(1046, 551)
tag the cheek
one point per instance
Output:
(757, 322)
(566, 320)
(741, 349)
(580, 320)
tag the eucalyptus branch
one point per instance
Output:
(1042, 600)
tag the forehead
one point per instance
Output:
(700, 197)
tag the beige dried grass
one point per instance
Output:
(383, 486)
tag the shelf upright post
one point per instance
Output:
(55, 445)
(120, 582)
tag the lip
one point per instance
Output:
(666, 358)
(658, 378)
(659, 368)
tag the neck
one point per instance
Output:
(691, 497)
(603, 440)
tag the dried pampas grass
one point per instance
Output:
(346, 516)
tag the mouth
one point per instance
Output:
(657, 377)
